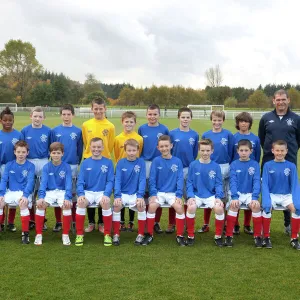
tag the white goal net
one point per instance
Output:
(13, 106)
(203, 111)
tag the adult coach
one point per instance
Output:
(280, 124)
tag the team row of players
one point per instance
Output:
(179, 236)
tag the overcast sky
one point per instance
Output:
(161, 41)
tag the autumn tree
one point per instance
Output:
(258, 100)
(214, 76)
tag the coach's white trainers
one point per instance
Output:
(66, 240)
(38, 240)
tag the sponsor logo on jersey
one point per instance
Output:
(24, 173)
(174, 168)
(137, 168)
(287, 171)
(271, 121)
(253, 144)
(197, 173)
(238, 171)
(0, 142)
(13, 172)
(124, 170)
(289, 122)
(29, 138)
(251, 171)
(159, 134)
(192, 141)
(14, 140)
(271, 171)
(58, 135)
(62, 174)
(104, 168)
(51, 174)
(73, 136)
(224, 141)
(88, 169)
(212, 174)
(177, 140)
(145, 136)
(159, 168)
(43, 138)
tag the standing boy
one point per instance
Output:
(128, 122)
(100, 127)
(185, 147)
(151, 133)
(165, 185)
(130, 184)
(223, 151)
(17, 185)
(204, 187)
(244, 189)
(55, 187)
(71, 137)
(37, 136)
(280, 187)
(94, 186)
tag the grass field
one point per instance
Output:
(160, 271)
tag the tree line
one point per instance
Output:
(24, 81)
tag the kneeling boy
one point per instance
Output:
(280, 187)
(94, 187)
(129, 189)
(244, 189)
(165, 185)
(204, 186)
(17, 184)
(55, 188)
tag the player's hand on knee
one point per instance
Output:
(191, 201)
(81, 201)
(118, 202)
(140, 203)
(235, 204)
(23, 202)
(218, 202)
(67, 204)
(41, 204)
(153, 199)
(254, 204)
(105, 200)
(2, 202)
(178, 201)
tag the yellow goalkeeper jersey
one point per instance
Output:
(98, 128)
(120, 141)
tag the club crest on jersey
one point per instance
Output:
(14, 140)
(224, 141)
(43, 138)
(137, 168)
(212, 174)
(191, 141)
(289, 122)
(62, 174)
(105, 132)
(24, 173)
(174, 168)
(251, 171)
(287, 171)
(73, 136)
(159, 135)
(104, 168)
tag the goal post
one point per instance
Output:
(13, 106)
(202, 111)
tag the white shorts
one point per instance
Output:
(224, 170)
(38, 164)
(243, 199)
(165, 198)
(208, 202)
(93, 198)
(55, 197)
(281, 199)
(148, 167)
(13, 198)
(129, 200)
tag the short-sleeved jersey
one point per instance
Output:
(38, 140)
(98, 128)
(71, 138)
(120, 140)
(7, 142)
(150, 135)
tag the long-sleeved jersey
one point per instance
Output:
(150, 135)
(166, 175)
(279, 178)
(18, 177)
(38, 140)
(96, 175)
(7, 142)
(254, 139)
(272, 128)
(223, 145)
(244, 178)
(130, 178)
(98, 128)
(120, 140)
(56, 178)
(204, 180)
(185, 145)
(71, 138)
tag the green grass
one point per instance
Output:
(160, 271)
